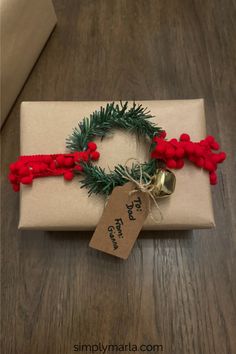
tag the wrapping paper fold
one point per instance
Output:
(25, 27)
(54, 204)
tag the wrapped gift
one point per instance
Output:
(55, 204)
(26, 26)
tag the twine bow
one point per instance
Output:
(145, 187)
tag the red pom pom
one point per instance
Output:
(189, 148)
(16, 187)
(68, 175)
(79, 168)
(13, 167)
(92, 146)
(162, 134)
(160, 148)
(24, 171)
(18, 165)
(60, 160)
(174, 142)
(69, 161)
(204, 143)
(209, 166)
(210, 139)
(180, 163)
(184, 137)
(95, 155)
(222, 156)
(179, 152)
(27, 179)
(171, 163)
(84, 156)
(170, 152)
(215, 158)
(213, 178)
(215, 145)
(199, 161)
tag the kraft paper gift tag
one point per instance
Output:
(55, 204)
(121, 221)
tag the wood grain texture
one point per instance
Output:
(177, 289)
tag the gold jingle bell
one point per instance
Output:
(163, 183)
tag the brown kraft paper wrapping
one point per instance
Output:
(55, 204)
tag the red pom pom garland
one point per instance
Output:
(200, 153)
(172, 152)
(27, 168)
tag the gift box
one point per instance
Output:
(55, 204)
(25, 25)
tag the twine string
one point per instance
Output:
(144, 187)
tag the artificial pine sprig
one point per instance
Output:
(134, 119)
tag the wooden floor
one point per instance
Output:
(177, 289)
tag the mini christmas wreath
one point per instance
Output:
(136, 121)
